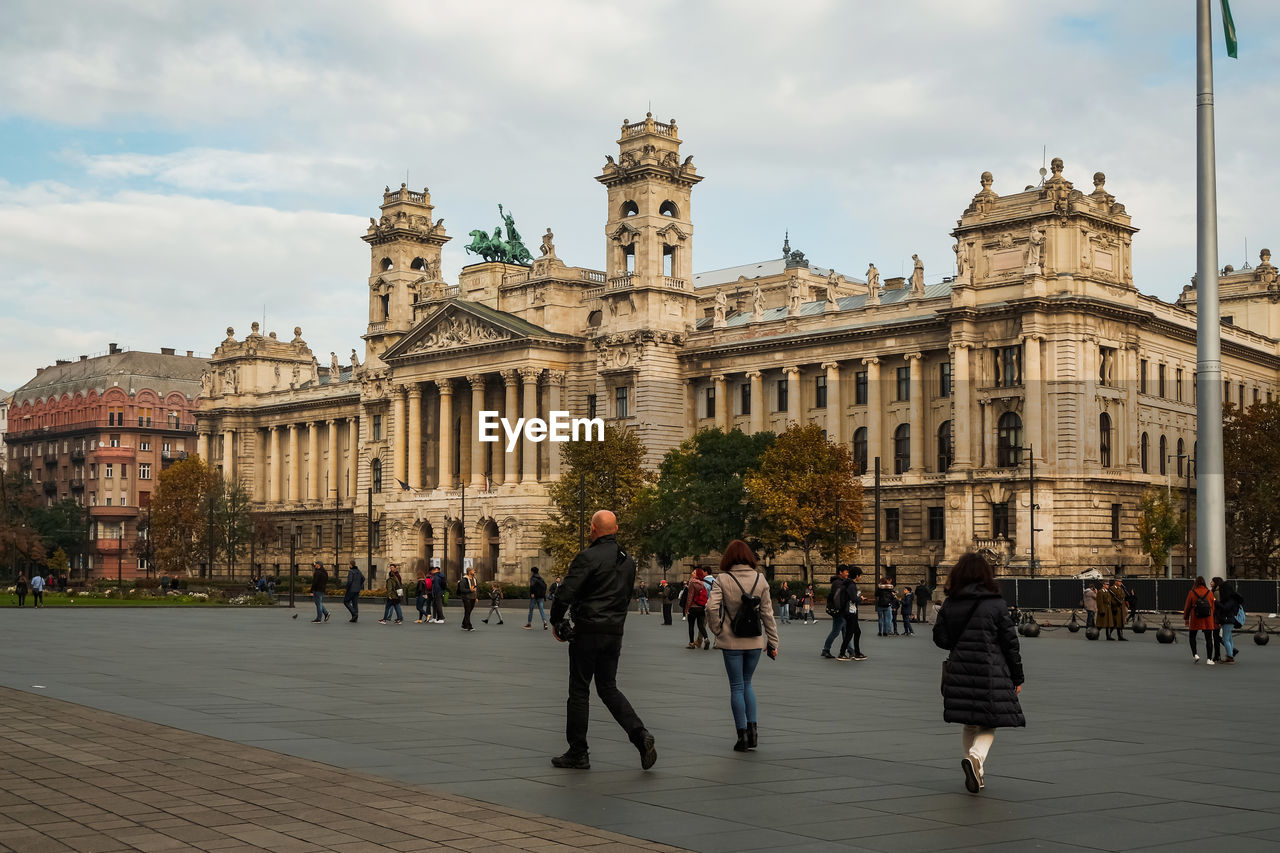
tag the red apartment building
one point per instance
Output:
(99, 430)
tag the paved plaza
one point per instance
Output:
(1128, 745)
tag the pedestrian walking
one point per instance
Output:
(807, 606)
(1122, 611)
(494, 602)
(740, 615)
(438, 584)
(1091, 605)
(20, 587)
(1112, 602)
(467, 592)
(696, 599)
(982, 676)
(422, 598)
(319, 581)
(838, 605)
(668, 593)
(37, 590)
(924, 597)
(1229, 614)
(1197, 613)
(554, 589)
(395, 592)
(884, 609)
(908, 602)
(351, 597)
(537, 594)
(850, 643)
(784, 603)
(595, 594)
(642, 600)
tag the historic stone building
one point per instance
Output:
(1039, 351)
(99, 430)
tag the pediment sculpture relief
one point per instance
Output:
(458, 331)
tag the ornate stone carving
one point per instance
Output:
(458, 331)
(1034, 244)
(721, 306)
(917, 276)
(757, 304)
(985, 198)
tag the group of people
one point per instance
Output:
(36, 586)
(1107, 607)
(1214, 612)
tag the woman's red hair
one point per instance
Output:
(737, 553)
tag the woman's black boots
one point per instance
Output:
(741, 745)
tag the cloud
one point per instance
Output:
(222, 171)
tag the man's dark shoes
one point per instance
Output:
(826, 653)
(569, 761)
(645, 745)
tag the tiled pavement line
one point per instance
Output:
(74, 778)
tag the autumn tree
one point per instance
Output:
(231, 521)
(1251, 465)
(806, 493)
(20, 508)
(699, 503)
(596, 475)
(64, 525)
(179, 507)
(1160, 525)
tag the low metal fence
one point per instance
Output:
(1162, 594)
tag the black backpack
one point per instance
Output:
(538, 587)
(836, 599)
(422, 587)
(746, 622)
(1202, 608)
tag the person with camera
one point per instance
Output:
(740, 615)
(595, 594)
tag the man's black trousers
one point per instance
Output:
(595, 656)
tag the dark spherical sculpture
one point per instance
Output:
(1031, 628)
(1262, 637)
(1092, 632)
(1166, 634)
(1139, 626)
(1074, 625)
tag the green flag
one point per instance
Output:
(1229, 29)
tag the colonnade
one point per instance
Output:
(290, 458)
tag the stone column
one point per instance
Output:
(228, 455)
(399, 465)
(530, 375)
(332, 426)
(477, 449)
(415, 436)
(875, 417)
(295, 466)
(353, 458)
(757, 400)
(722, 401)
(835, 408)
(510, 410)
(202, 446)
(793, 394)
(962, 388)
(555, 397)
(690, 407)
(915, 416)
(445, 387)
(273, 484)
(313, 461)
(1033, 383)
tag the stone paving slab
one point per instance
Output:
(1129, 746)
(74, 778)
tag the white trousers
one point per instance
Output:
(977, 743)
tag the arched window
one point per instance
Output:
(375, 475)
(669, 209)
(594, 318)
(901, 448)
(1164, 456)
(1182, 451)
(630, 208)
(945, 453)
(418, 264)
(1104, 440)
(386, 264)
(1009, 440)
(1144, 450)
(860, 450)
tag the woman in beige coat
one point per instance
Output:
(738, 577)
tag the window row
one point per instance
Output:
(782, 391)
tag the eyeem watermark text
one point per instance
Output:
(561, 427)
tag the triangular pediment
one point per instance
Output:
(458, 324)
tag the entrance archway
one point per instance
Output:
(488, 549)
(453, 567)
(426, 545)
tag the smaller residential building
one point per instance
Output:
(98, 431)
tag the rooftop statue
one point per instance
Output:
(493, 248)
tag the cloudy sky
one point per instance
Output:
(169, 169)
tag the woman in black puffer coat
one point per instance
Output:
(984, 671)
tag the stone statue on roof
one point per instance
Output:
(917, 276)
(335, 369)
(757, 304)
(722, 305)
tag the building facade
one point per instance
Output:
(99, 431)
(1034, 378)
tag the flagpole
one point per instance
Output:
(1211, 544)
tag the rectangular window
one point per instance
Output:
(746, 398)
(1255, 396)
(1160, 372)
(375, 533)
(115, 441)
(280, 543)
(93, 470)
(166, 449)
(783, 400)
(860, 388)
(377, 428)
(1240, 396)
(591, 405)
(108, 500)
(904, 384)
(144, 470)
(892, 525)
(1115, 521)
(318, 536)
(1142, 376)
(820, 392)
(108, 470)
(1008, 366)
(620, 400)
(337, 534)
(711, 402)
(1000, 520)
(144, 445)
(124, 471)
(937, 523)
(1177, 384)
(944, 379)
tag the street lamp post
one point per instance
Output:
(1031, 480)
(1168, 491)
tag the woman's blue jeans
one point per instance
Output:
(1228, 644)
(740, 664)
(884, 617)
